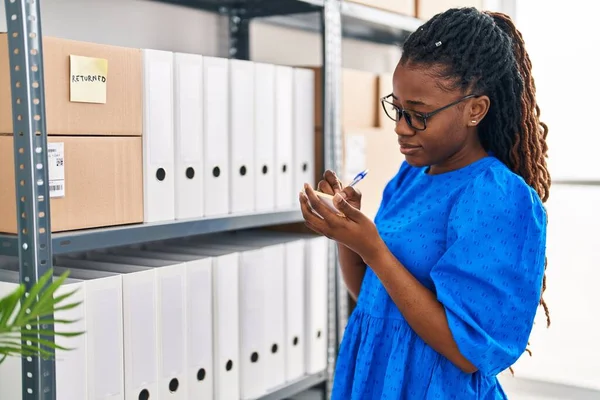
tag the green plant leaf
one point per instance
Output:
(62, 334)
(23, 350)
(34, 310)
(46, 295)
(33, 293)
(9, 304)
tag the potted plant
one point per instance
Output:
(42, 302)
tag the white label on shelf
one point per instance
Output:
(56, 169)
(355, 157)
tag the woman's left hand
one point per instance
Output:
(353, 229)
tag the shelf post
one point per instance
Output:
(31, 173)
(239, 34)
(331, 25)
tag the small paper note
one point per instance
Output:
(88, 79)
(355, 156)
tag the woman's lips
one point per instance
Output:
(409, 149)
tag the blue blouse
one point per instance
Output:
(476, 237)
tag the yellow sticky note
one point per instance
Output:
(88, 79)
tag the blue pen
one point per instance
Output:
(359, 177)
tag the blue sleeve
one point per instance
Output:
(490, 277)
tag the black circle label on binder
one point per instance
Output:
(201, 374)
(243, 170)
(216, 172)
(190, 173)
(161, 174)
(173, 385)
(254, 357)
(144, 395)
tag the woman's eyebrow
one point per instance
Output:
(416, 102)
(411, 102)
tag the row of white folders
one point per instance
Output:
(224, 136)
(233, 319)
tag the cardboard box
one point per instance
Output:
(406, 7)
(359, 98)
(102, 183)
(117, 80)
(384, 88)
(425, 9)
(375, 149)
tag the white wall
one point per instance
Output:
(148, 24)
(561, 43)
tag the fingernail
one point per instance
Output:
(338, 198)
(344, 195)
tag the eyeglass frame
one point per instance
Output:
(425, 116)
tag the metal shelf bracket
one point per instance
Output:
(239, 34)
(31, 171)
(331, 21)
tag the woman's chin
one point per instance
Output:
(416, 162)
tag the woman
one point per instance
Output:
(449, 276)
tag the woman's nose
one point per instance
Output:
(402, 128)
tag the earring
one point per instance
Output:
(474, 122)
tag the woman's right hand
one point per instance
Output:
(352, 265)
(332, 185)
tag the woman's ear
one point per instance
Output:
(477, 110)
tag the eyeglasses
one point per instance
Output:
(416, 120)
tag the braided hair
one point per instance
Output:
(484, 53)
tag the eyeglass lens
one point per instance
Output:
(395, 114)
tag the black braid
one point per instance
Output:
(483, 53)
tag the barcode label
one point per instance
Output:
(56, 169)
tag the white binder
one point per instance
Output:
(216, 136)
(285, 192)
(170, 316)
(93, 369)
(189, 136)
(295, 339)
(242, 138)
(198, 337)
(139, 323)
(294, 288)
(10, 370)
(225, 316)
(68, 363)
(315, 295)
(304, 128)
(264, 144)
(158, 154)
(316, 304)
(256, 367)
(103, 303)
(273, 304)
